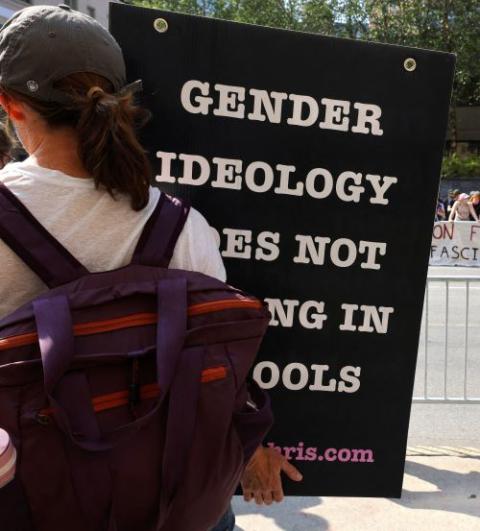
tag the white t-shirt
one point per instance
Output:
(101, 232)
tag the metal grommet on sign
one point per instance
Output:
(160, 25)
(410, 64)
(52, 34)
(32, 85)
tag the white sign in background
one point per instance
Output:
(455, 243)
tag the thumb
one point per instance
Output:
(292, 472)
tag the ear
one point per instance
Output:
(12, 108)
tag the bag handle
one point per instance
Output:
(69, 393)
(27, 238)
(157, 242)
(178, 375)
(182, 414)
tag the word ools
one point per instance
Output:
(231, 101)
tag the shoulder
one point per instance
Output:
(195, 225)
(197, 247)
(11, 174)
(197, 222)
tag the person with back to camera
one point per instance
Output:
(86, 180)
(440, 214)
(475, 201)
(452, 197)
(462, 209)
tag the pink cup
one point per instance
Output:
(8, 459)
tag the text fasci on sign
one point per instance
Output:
(455, 243)
(316, 161)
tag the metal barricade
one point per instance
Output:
(448, 364)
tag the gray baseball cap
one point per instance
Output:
(40, 45)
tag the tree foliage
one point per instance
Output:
(448, 25)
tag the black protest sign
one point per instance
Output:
(317, 161)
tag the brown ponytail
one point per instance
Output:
(106, 126)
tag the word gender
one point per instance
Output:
(230, 101)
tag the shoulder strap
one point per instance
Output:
(34, 244)
(160, 234)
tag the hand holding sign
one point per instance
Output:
(262, 477)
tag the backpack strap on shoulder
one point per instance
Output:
(160, 234)
(27, 238)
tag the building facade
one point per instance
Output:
(97, 9)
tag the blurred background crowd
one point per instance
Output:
(459, 206)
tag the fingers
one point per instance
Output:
(247, 496)
(277, 489)
(262, 480)
(267, 498)
(292, 472)
(263, 497)
(278, 495)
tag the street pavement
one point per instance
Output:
(442, 343)
(449, 424)
(440, 494)
(442, 474)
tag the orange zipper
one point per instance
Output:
(128, 321)
(120, 398)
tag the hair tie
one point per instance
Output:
(93, 91)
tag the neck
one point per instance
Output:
(55, 149)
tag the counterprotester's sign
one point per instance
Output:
(317, 161)
(455, 243)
